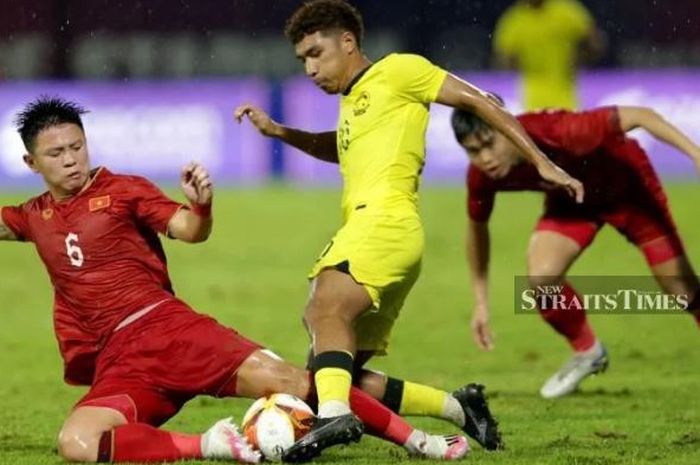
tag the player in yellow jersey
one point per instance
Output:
(544, 39)
(364, 274)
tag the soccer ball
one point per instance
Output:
(272, 424)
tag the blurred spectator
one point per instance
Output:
(545, 39)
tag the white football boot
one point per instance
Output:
(581, 365)
(223, 441)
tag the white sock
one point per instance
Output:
(430, 446)
(452, 411)
(416, 443)
(333, 408)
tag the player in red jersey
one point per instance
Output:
(120, 327)
(622, 190)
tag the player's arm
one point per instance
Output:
(478, 245)
(6, 233)
(649, 120)
(460, 94)
(193, 224)
(321, 145)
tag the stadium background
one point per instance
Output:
(161, 79)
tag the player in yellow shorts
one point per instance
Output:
(364, 274)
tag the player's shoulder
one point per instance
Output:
(512, 15)
(37, 203)
(121, 181)
(403, 62)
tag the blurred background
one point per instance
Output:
(162, 76)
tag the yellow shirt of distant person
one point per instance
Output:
(381, 150)
(544, 42)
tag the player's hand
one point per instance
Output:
(196, 184)
(560, 178)
(481, 331)
(259, 118)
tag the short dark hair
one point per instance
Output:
(43, 113)
(466, 123)
(324, 15)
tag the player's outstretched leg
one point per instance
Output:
(576, 369)
(466, 407)
(103, 434)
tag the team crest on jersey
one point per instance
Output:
(47, 214)
(361, 104)
(98, 203)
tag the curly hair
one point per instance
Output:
(324, 15)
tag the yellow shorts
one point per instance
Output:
(383, 253)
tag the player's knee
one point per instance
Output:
(293, 381)
(320, 310)
(77, 446)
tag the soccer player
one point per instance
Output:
(544, 40)
(622, 190)
(366, 271)
(121, 330)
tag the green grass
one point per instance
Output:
(251, 275)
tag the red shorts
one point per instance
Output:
(642, 217)
(150, 368)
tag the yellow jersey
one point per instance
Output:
(544, 42)
(381, 132)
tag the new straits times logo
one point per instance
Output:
(597, 294)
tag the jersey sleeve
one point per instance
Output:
(15, 218)
(576, 18)
(578, 133)
(150, 205)
(480, 195)
(415, 77)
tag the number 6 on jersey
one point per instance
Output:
(73, 251)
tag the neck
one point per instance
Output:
(60, 195)
(358, 64)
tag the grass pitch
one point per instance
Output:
(251, 275)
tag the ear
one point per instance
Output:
(348, 42)
(30, 162)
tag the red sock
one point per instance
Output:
(571, 322)
(379, 421)
(139, 442)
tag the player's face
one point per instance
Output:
(60, 155)
(325, 58)
(491, 152)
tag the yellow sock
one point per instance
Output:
(333, 384)
(423, 400)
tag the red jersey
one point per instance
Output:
(103, 255)
(590, 146)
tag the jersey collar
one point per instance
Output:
(357, 77)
